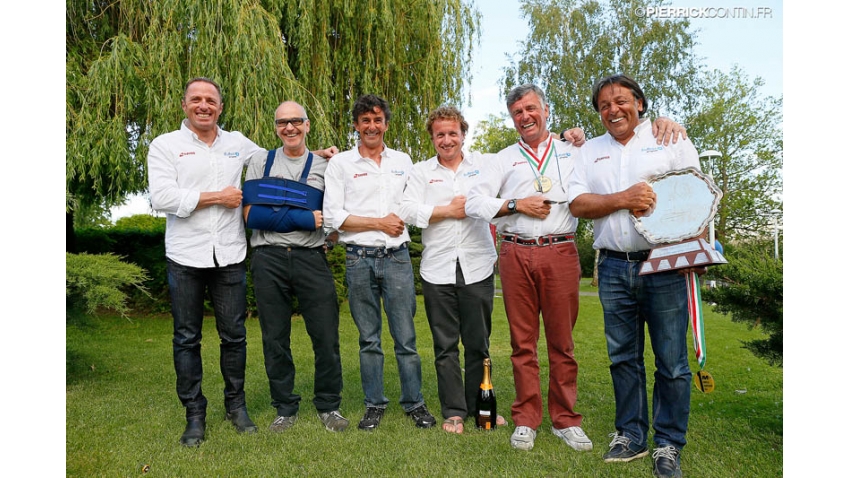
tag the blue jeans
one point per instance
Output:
(386, 277)
(227, 286)
(660, 301)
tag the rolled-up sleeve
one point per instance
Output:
(482, 201)
(333, 208)
(413, 208)
(166, 194)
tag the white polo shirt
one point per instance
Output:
(357, 186)
(449, 241)
(510, 176)
(180, 168)
(608, 167)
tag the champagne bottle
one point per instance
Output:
(485, 403)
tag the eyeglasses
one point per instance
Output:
(292, 121)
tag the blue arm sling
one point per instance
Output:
(282, 205)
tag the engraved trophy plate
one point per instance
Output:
(686, 203)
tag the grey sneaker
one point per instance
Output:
(620, 451)
(574, 437)
(282, 423)
(523, 438)
(333, 421)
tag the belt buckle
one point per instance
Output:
(541, 241)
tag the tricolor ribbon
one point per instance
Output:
(695, 312)
(538, 164)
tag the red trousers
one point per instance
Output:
(535, 280)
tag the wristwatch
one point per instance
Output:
(512, 206)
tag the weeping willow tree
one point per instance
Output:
(413, 53)
(127, 62)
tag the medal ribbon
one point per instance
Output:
(537, 164)
(695, 312)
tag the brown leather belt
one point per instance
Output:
(539, 241)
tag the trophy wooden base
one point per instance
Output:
(681, 255)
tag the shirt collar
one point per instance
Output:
(359, 156)
(435, 162)
(184, 126)
(542, 143)
(644, 127)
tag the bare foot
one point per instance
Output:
(500, 421)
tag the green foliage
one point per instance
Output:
(127, 63)
(140, 244)
(493, 135)
(97, 281)
(141, 239)
(750, 289)
(415, 249)
(336, 261)
(573, 43)
(584, 244)
(121, 411)
(734, 119)
(143, 222)
(91, 215)
(414, 54)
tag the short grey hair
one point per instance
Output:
(518, 92)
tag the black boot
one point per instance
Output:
(194, 433)
(239, 418)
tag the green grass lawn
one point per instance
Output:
(122, 411)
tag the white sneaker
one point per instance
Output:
(523, 438)
(575, 438)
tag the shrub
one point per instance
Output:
(140, 239)
(94, 281)
(751, 291)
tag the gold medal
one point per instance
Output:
(704, 381)
(542, 184)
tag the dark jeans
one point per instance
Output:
(280, 275)
(459, 312)
(658, 303)
(226, 286)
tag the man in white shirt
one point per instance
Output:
(457, 263)
(194, 175)
(363, 192)
(523, 190)
(609, 185)
(289, 263)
